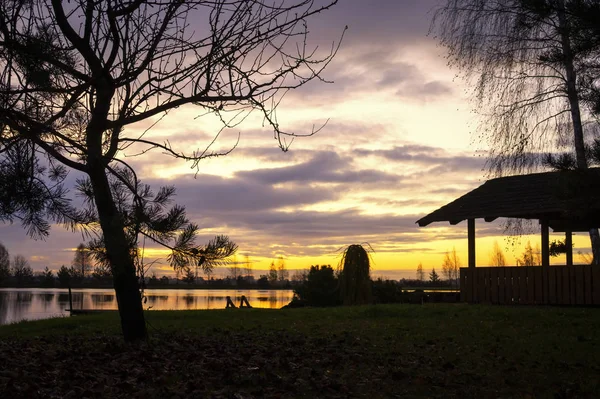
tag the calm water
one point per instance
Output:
(33, 303)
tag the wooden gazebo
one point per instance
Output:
(566, 201)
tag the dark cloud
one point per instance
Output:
(210, 194)
(440, 159)
(428, 91)
(324, 167)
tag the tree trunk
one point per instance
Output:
(124, 276)
(573, 97)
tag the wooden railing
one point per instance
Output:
(556, 285)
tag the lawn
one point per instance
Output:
(434, 350)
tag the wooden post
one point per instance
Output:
(70, 298)
(244, 302)
(569, 247)
(545, 258)
(471, 250)
(230, 303)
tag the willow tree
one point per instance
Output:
(528, 61)
(76, 76)
(355, 278)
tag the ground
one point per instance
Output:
(436, 350)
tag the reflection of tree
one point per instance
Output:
(21, 304)
(63, 297)
(4, 302)
(24, 297)
(47, 297)
(273, 300)
(102, 298)
(157, 298)
(46, 300)
(189, 300)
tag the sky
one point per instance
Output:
(399, 142)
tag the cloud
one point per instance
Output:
(209, 194)
(443, 160)
(324, 167)
(380, 163)
(428, 91)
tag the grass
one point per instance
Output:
(436, 350)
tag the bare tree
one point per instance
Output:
(21, 270)
(282, 273)
(526, 59)
(272, 275)
(434, 278)
(420, 272)
(451, 266)
(530, 257)
(497, 256)
(234, 268)
(74, 77)
(4, 263)
(82, 260)
(247, 266)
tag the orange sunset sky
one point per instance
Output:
(400, 142)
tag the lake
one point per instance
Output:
(38, 303)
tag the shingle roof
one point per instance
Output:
(567, 199)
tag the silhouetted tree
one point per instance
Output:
(234, 268)
(101, 272)
(247, 266)
(74, 77)
(451, 266)
(319, 288)
(4, 263)
(529, 59)
(355, 279)
(530, 257)
(64, 276)
(282, 273)
(30, 191)
(189, 276)
(82, 260)
(272, 276)
(21, 270)
(153, 280)
(299, 276)
(263, 282)
(434, 278)
(420, 272)
(558, 247)
(497, 256)
(47, 280)
(387, 291)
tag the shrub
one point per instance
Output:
(320, 287)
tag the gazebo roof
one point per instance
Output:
(568, 200)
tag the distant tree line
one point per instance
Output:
(86, 271)
(16, 272)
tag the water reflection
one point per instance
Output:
(20, 304)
